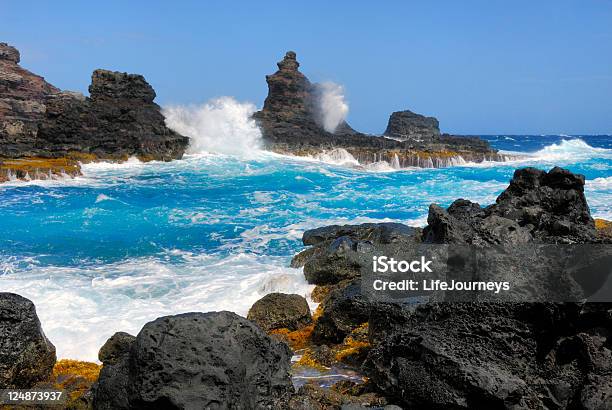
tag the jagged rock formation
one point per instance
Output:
(290, 121)
(406, 125)
(26, 355)
(478, 355)
(118, 120)
(40, 122)
(537, 205)
(197, 360)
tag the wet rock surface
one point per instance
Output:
(290, 122)
(197, 360)
(26, 355)
(118, 120)
(279, 310)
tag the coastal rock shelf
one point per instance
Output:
(45, 132)
(291, 124)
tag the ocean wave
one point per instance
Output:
(81, 307)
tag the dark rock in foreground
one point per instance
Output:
(197, 360)
(487, 356)
(479, 355)
(26, 355)
(118, 120)
(291, 124)
(117, 346)
(280, 311)
(541, 206)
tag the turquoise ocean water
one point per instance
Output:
(126, 243)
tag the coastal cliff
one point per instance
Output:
(291, 124)
(45, 131)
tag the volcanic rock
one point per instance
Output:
(291, 124)
(343, 310)
(197, 360)
(22, 105)
(538, 206)
(492, 356)
(118, 120)
(26, 355)
(406, 125)
(117, 346)
(279, 310)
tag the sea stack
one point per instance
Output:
(291, 124)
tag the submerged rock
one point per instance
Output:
(280, 311)
(197, 360)
(26, 355)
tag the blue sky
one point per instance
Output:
(481, 67)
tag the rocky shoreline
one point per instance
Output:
(46, 132)
(477, 355)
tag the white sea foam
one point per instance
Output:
(81, 307)
(333, 107)
(222, 125)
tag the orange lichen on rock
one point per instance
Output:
(297, 339)
(602, 224)
(308, 360)
(354, 345)
(76, 377)
(37, 168)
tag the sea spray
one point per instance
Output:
(332, 106)
(222, 125)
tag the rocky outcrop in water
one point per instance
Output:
(44, 131)
(26, 355)
(290, 121)
(197, 360)
(407, 125)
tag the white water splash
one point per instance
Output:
(333, 108)
(222, 125)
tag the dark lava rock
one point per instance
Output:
(291, 124)
(489, 356)
(26, 355)
(548, 207)
(340, 252)
(22, 104)
(343, 310)
(405, 125)
(197, 360)
(118, 120)
(117, 346)
(279, 310)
